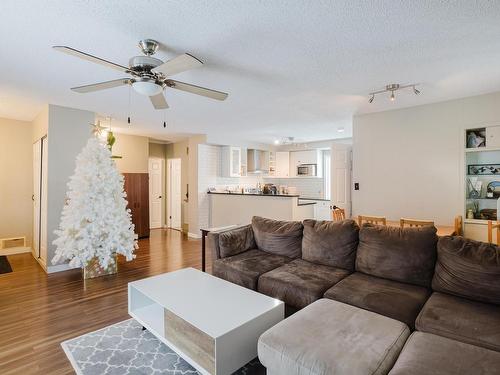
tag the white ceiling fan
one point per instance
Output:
(149, 75)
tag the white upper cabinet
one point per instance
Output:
(231, 161)
(493, 137)
(282, 161)
(305, 157)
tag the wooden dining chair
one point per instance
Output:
(379, 220)
(458, 226)
(415, 223)
(338, 214)
(491, 226)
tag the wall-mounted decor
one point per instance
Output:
(476, 138)
(483, 169)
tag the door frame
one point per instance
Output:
(162, 179)
(169, 192)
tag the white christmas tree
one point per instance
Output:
(95, 222)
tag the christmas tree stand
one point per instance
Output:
(94, 269)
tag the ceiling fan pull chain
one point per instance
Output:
(128, 118)
(164, 118)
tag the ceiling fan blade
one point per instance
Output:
(159, 101)
(102, 85)
(88, 57)
(193, 89)
(178, 64)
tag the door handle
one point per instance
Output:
(33, 197)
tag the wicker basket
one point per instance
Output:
(94, 269)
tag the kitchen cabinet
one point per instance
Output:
(305, 157)
(322, 210)
(231, 161)
(136, 185)
(282, 164)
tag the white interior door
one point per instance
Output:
(37, 173)
(155, 193)
(341, 176)
(43, 201)
(174, 193)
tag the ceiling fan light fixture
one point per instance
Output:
(147, 87)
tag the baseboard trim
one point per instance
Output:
(15, 250)
(59, 268)
(192, 235)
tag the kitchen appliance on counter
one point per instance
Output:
(310, 170)
(270, 189)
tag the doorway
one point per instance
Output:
(156, 207)
(40, 199)
(174, 195)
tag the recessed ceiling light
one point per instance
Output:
(340, 130)
(276, 141)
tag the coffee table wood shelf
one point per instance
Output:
(211, 323)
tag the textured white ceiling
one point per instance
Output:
(292, 68)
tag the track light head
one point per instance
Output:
(416, 91)
(371, 98)
(392, 96)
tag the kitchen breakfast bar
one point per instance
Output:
(239, 208)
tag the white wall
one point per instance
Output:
(134, 152)
(68, 132)
(409, 162)
(16, 179)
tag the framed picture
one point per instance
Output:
(483, 169)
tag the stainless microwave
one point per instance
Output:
(307, 170)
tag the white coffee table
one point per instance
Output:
(211, 323)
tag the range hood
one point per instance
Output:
(257, 161)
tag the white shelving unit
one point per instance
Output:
(487, 154)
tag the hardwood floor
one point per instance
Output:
(39, 311)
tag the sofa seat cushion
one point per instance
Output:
(468, 268)
(331, 243)
(425, 353)
(244, 269)
(407, 255)
(461, 319)
(396, 300)
(329, 337)
(299, 282)
(278, 237)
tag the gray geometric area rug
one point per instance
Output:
(126, 349)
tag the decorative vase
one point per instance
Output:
(94, 269)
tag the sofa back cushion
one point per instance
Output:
(400, 254)
(236, 241)
(278, 237)
(332, 243)
(468, 268)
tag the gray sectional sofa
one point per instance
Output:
(446, 290)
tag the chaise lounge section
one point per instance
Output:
(447, 289)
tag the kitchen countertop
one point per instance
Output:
(258, 195)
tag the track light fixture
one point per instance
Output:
(392, 88)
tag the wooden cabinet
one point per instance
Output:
(137, 188)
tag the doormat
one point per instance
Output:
(125, 348)
(4, 265)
